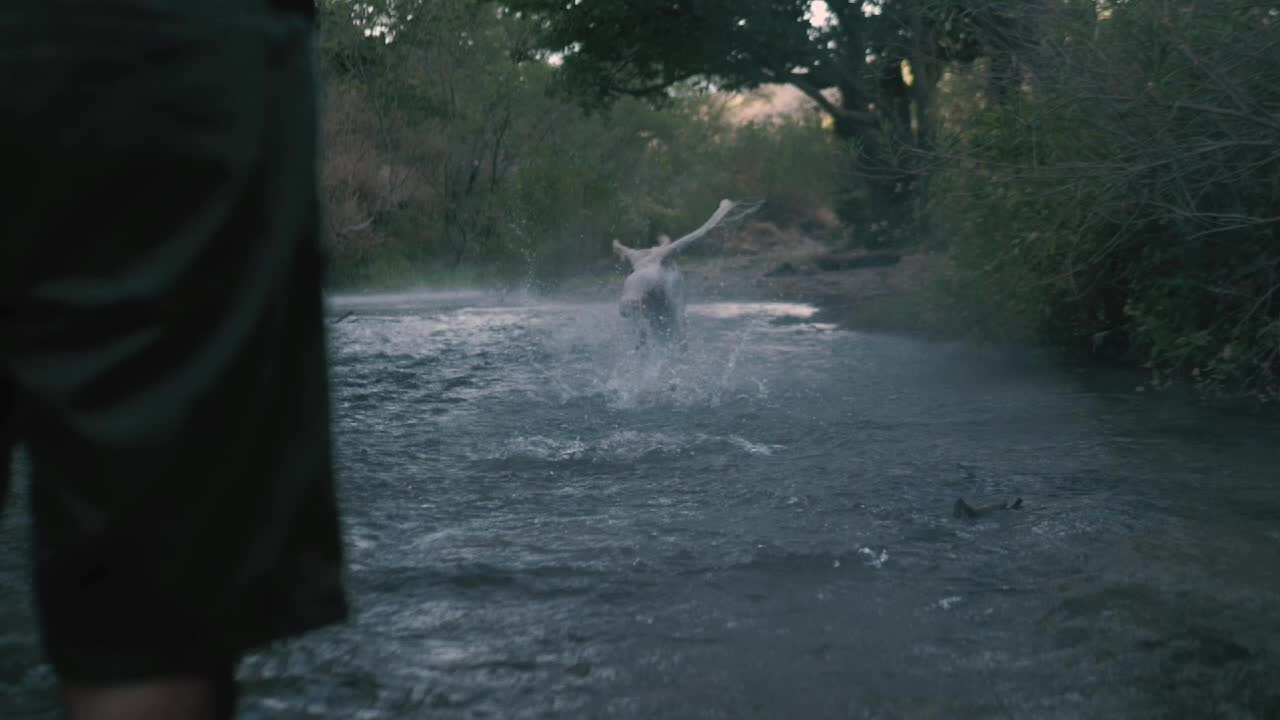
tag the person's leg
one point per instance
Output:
(6, 438)
(196, 697)
(164, 328)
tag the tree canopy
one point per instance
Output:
(872, 66)
(1099, 174)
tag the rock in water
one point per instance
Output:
(962, 509)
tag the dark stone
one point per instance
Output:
(962, 509)
(786, 269)
(832, 263)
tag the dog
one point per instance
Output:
(654, 295)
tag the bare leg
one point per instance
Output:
(211, 697)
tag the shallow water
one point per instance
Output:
(545, 523)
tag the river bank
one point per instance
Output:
(899, 293)
(853, 289)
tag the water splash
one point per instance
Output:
(620, 445)
(566, 353)
(872, 558)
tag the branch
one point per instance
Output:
(357, 227)
(638, 91)
(1262, 120)
(850, 20)
(836, 111)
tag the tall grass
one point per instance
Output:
(1126, 204)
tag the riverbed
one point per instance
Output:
(545, 522)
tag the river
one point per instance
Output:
(543, 522)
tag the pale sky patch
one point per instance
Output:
(820, 14)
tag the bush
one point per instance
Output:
(1126, 205)
(445, 157)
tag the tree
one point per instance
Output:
(445, 155)
(426, 122)
(871, 66)
(1129, 208)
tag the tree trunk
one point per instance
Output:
(890, 120)
(882, 163)
(890, 188)
(1001, 78)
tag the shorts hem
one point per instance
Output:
(97, 667)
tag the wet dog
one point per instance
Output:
(653, 295)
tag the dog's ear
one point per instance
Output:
(623, 251)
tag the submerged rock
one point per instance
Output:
(834, 262)
(786, 269)
(963, 509)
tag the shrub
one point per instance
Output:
(1126, 204)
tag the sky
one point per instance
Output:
(819, 14)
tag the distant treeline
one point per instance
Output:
(1100, 175)
(448, 159)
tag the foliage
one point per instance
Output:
(1126, 202)
(1104, 176)
(444, 155)
(854, 65)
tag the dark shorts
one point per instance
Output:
(162, 340)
